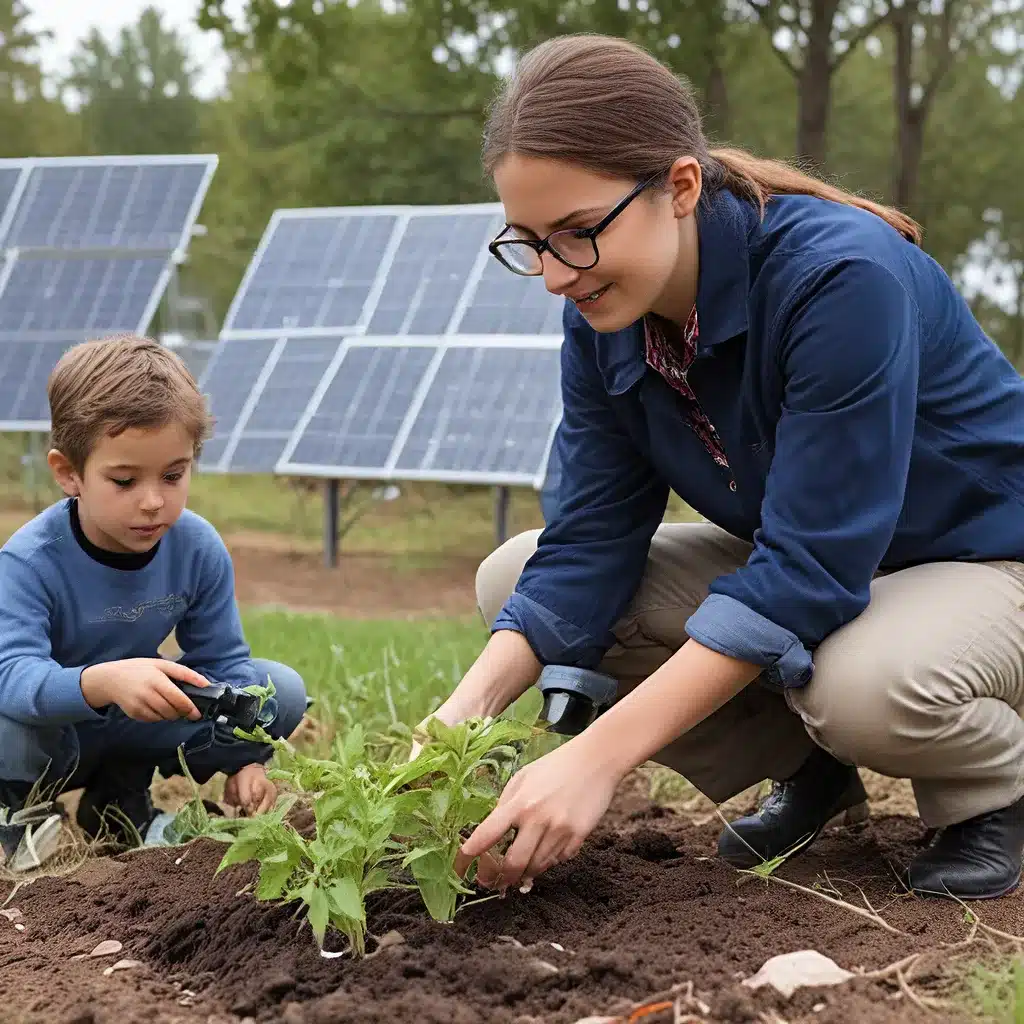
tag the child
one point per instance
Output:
(92, 586)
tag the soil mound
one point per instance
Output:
(644, 907)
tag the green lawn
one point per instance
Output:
(386, 674)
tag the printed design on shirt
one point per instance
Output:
(672, 358)
(172, 604)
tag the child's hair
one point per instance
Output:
(118, 383)
(609, 106)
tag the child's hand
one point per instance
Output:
(250, 789)
(143, 688)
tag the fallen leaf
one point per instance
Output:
(108, 947)
(805, 968)
(543, 967)
(19, 927)
(12, 915)
(121, 965)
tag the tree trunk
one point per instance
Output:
(814, 83)
(910, 116)
(716, 97)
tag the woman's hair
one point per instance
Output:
(609, 106)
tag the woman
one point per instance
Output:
(784, 357)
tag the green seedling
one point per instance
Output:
(379, 824)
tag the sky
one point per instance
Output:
(71, 20)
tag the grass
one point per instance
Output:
(385, 674)
(996, 992)
(425, 520)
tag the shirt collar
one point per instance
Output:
(725, 225)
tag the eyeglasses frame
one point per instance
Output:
(543, 245)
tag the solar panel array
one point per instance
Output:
(88, 246)
(386, 343)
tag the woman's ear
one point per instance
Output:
(685, 181)
(64, 473)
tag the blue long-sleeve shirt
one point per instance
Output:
(62, 611)
(867, 420)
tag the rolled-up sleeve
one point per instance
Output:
(591, 557)
(849, 354)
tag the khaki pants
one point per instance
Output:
(926, 684)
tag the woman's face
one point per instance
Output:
(646, 256)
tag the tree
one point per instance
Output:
(30, 123)
(137, 96)
(929, 36)
(812, 39)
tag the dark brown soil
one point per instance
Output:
(643, 908)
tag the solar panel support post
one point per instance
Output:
(331, 510)
(501, 507)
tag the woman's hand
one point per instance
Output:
(553, 804)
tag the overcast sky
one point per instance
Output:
(70, 20)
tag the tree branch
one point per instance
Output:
(767, 18)
(862, 35)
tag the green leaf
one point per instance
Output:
(240, 851)
(319, 911)
(440, 798)
(420, 851)
(275, 872)
(345, 898)
(431, 872)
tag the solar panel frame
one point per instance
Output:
(243, 430)
(43, 356)
(231, 333)
(209, 161)
(356, 472)
(390, 471)
(10, 206)
(49, 342)
(17, 259)
(404, 215)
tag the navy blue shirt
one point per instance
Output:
(868, 421)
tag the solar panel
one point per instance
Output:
(460, 410)
(90, 243)
(26, 369)
(290, 375)
(228, 382)
(10, 174)
(351, 427)
(488, 415)
(313, 270)
(80, 295)
(110, 202)
(500, 302)
(427, 275)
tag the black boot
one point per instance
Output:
(117, 807)
(976, 859)
(796, 811)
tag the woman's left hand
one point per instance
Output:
(553, 804)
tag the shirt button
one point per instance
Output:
(732, 486)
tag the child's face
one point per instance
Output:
(133, 487)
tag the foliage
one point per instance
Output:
(379, 824)
(137, 96)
